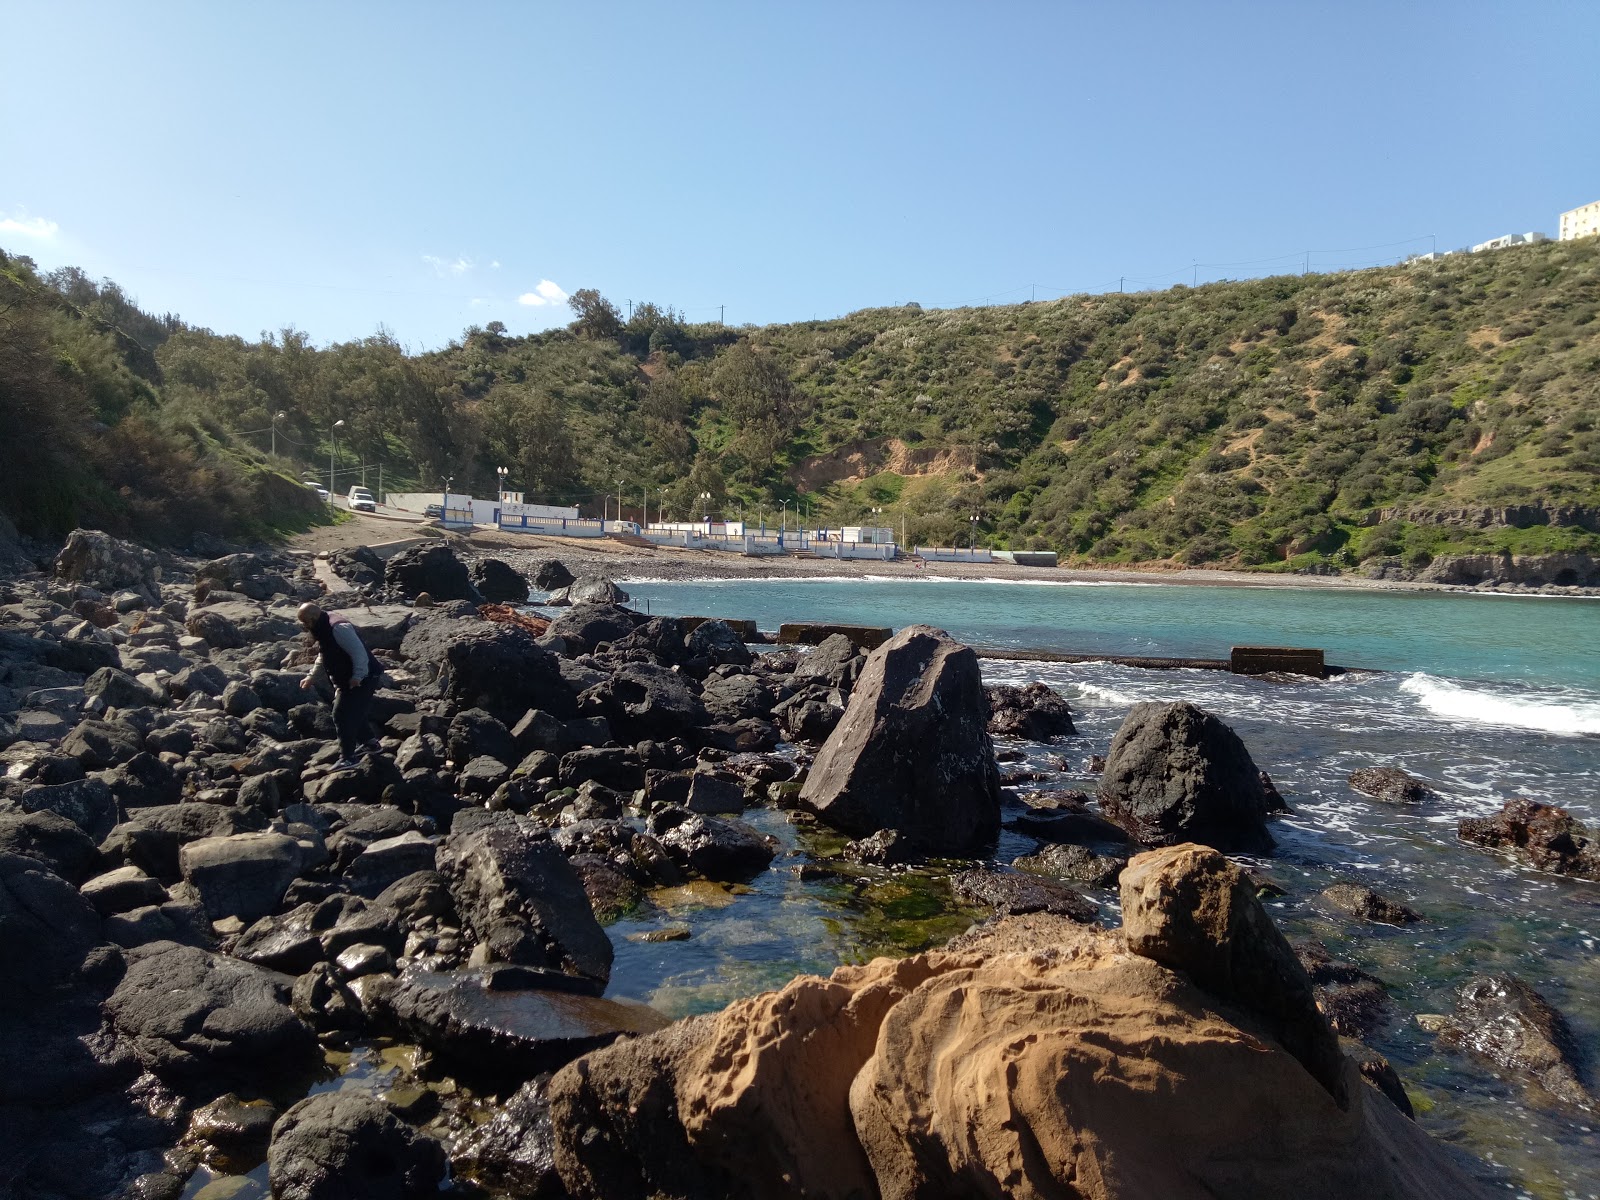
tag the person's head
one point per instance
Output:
(309, 614)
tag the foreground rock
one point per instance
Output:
(1021, 1060)
(347, 1146)
(1177, 773)
(432, 568)
(1391, 785)
(1036, 712)
(1543, 835)
(1501, 1019)
(912, 751)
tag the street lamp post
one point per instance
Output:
(783, 517)
(333, 441)
(500, 474)
(276, 417)
(705, 509)
(444, 505)
(972, 545)
(619, 501)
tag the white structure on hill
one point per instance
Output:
(1583, 221)
(1511, 239)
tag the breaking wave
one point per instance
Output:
(1558, 712)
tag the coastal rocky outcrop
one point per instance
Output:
(1035, 711)
(1015, 1061)
(912, 751)
(1543, 835)
(1391, 785)
(1501, 1019)
(1177, 773)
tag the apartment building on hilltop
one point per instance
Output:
(1583, 221)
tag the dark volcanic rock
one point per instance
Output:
(107, 563)
(496, 1024)
(499, 668)
(1501, 1019)
(513, 1152)
(1391, 785)
(1076, 863)
(1036, 712)
(50, 838)
(87, 803)
(1011, 893)
(1354, 1002)
(432, 568)
(642, 701)
(242, 876)
(718, 849)
(589, 626)
(1176, 773)
(499, 583)
(1364, 904)
(522, 901)
(1543, 835)
(912, 751)
(836, 662)
(347, 1145)
(198, 1019)
(717, 642)
(886, 848)
(551, 575)
(475, 732)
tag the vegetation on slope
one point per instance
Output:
(1270, 423)
(88, 436)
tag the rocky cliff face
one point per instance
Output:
(1566, 569)
(1032, 1057)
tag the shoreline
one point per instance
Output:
(626, 563)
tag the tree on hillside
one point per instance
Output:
(596, 316)
(526, 430)
(759, 400)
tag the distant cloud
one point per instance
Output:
(495, 265)
(447, 268)
(22, 225)
(478, 302)
(546, 293)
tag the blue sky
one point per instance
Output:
(427, 167)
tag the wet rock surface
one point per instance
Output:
(1035, 711)
(1501, 1019)
(912, 751)
(1391, 785)
(1542, 835)
(1177, 773)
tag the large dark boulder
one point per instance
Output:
(432, 568)
(522, 901)
(484, 664)
(1501, 1019)
(499, 583)
(347, 1145)
(50, 838)
(714, 848)
(1036, 712)
(513, 1153)
(1542, 835)
(361, 567)
(47, 930)
(718, 643)
(644, 701)
(242, 876)
(589, 626)
(551, 575)
(109, 564)
(589, 589)
(473, 732)
(98, 744)
(203, 1020)
(87, 803)
(836, 662)
(501, 1024)
(1391, 785)
(912, 751)
(736, 697)
(1176, 773)
(118, 689)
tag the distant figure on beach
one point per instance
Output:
(344, 658)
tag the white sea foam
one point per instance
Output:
(1455, 702)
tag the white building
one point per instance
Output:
(1511, 239)
(1583, 221)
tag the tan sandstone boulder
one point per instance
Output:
(1032, 1057)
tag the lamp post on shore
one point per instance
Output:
(973, 543)
(333, 442)
(705, 509)
(276, 417)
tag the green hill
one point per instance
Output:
(1285, 422)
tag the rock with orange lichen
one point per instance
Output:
(1031, 1057)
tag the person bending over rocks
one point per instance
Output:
(352, 670)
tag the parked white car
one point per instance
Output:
(313, 485)
(362, 500)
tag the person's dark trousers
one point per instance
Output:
(352, 715)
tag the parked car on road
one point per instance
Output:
(362, 500)
(313, 485)
(434, 510)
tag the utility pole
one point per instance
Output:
(333, 441)
(1306, 270)
(1196, 281)
(722, 312)
(1033, 292)
(630, 310)
(1121, 279)
(276, 417)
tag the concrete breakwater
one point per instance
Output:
(235, 911)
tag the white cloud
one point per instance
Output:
(22, 225)
(546, 293)
(495, 265)
(445, 268)
(478, 302)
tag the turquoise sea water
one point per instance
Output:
(1455, 635)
